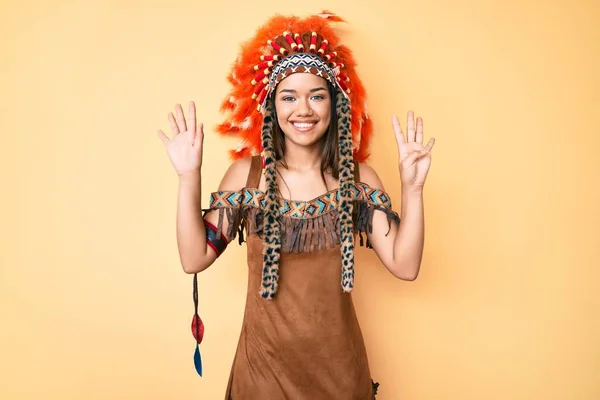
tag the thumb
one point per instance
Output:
(162, 136)
(413, 157)
(410, 159)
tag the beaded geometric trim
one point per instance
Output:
(250, 197)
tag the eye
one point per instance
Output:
(287, 98)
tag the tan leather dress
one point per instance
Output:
(306, 343)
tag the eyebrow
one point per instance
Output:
(293, 91)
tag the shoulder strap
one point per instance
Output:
(255, 172)
(356, 172)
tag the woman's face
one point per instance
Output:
(303, 105)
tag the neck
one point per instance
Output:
(302, 158)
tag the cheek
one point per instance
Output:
(282, 112)
(325, 113)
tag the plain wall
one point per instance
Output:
(94, 302)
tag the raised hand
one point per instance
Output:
(185, 148)
(415, 159)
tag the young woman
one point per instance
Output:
(301, 202)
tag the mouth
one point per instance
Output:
(304, 126)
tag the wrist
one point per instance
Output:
(412, 191)
(190, 177)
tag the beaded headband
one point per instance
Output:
(317, 63)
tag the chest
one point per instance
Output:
(302, 186)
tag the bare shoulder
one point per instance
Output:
(369, 176)
(236, 176)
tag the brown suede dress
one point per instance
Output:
(306, 343)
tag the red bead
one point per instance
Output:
(290, 40)
(197, 331)
(275, 57)
(298, 40)
(324, 44)
(277, 47)
(263, 65)
(260, 76)
(313, 42)
(259, 88)
(262, 96)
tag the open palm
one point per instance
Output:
(415, 159)
(185, 147)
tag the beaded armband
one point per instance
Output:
(216, 241)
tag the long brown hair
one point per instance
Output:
(329, 141)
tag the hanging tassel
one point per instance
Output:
(241, 234)
(198, 361)
(197, 328)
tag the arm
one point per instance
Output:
(185, 151)
(401, 249)
(194, 253)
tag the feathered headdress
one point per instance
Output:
(277, 39)
(283, 46)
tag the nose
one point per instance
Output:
(304, 108)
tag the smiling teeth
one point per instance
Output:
(303, 125)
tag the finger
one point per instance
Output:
(419, 137)
(398, 130)
(430, 144)
(173, 124)
(180, 118)
(410, 126)
(199, 135)
(191, 118)
(162, 136)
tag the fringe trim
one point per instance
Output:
(235, 217)
(304, 235)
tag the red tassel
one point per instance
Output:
(344, 86)
(334, 65)
(277, 47)
(263, 65)
(298, 40)
(260, 76)
(313, 42)
(324, 44)
(290, 40)
(259, 88)
(275, 57)
(263, 94)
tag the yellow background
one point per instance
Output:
(94, 302)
